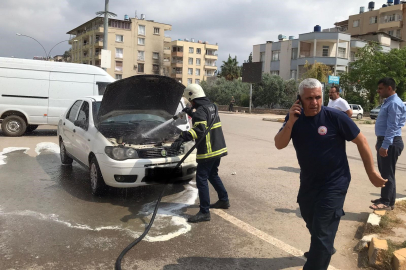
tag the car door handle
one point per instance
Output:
(74, 131)
(63, 123)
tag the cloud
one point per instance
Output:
(236, 25)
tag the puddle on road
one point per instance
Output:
(169, 222)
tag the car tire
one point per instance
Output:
(31, 128)
(13, 126)
(372, 117)
(359, 116)
(97, 184)
(65, 159)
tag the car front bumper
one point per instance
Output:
(145, 171)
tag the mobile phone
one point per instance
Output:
(300, 103)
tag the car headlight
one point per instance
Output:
(121, 153)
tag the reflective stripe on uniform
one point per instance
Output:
(193, 133)
(198, 123)
(213, 154)
(216, 125)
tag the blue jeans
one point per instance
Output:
(322, 214)
(209, 171)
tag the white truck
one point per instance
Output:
(34, 92)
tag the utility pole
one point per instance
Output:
(106, 26)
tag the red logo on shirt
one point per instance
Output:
(322, 130)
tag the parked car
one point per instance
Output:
(357, 111)
(36, 92)
(373, 114)
(107, 134)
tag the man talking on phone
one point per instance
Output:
(319, 135)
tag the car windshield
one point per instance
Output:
(378, 107)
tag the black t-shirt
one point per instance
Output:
(320, 147)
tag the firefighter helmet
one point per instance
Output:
(193, 91)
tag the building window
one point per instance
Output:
(190, 71)
(198, 61)
(262, 60)
(141, 55)
(275, 55)
(119, 38)
(141, 30)
(191, 50)
(190, 61)
(156, 31)
(189, 81)
(155, 69)
(275, 72)
(198, 51)
(373, 20)
(119, 53)
(342, 53)
(325, 51)
(155, 55)
(119, 66)
(294, 53)
(352, 57)
(141, 41)
(197, 71)
(197, 81)
(140, 68)
(119, 76)
(355, 23)
(293, 73)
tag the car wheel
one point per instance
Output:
(96, 179)
(31, 128)
(14, 126)
(65, 159)
(359, 116)
(372, 117)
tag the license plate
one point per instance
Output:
(163, 172)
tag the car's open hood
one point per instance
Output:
(150, 94)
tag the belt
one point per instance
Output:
(381, 138)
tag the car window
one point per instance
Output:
(84, 113)
(71, 116)
(102, 87)
(356, 107)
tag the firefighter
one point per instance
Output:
(209, 151)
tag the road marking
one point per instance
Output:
(262, 235)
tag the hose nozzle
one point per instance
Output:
(179, 115)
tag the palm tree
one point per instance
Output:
(230, 69)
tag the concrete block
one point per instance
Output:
(374, 219)
(376, 252)
(399, 259)
(364, 242)
(380, 212)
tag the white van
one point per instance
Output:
(34, 92)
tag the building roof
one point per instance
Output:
(379, 33)
(342, 23)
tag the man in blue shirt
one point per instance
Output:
(319, 135)
(389, 145)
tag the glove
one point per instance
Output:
(177, 144)
(188, 110)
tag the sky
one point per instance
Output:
(236, 25)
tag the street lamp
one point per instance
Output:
(49, 53)
(20, 35)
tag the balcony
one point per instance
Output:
(212, 47)
(391, 9)
(97, 56)
(211, 56)
(167, 50)
(390, 25)
(177, 54)
(177, 74)
(167, 39)
(211, 66)
(167, 62)
(329, 61)
(98, 43)
(177, 63)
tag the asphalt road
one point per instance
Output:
(50, 220)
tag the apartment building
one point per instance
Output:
(384, 25)
(287, 57)
(136, 45)
(192, 62)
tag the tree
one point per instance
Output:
(221, 90)
(318, 71)
(249, 58)
(67, 55)
(230, 69)
(373, 64)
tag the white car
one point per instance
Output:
(107, 134)
(357, 111)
